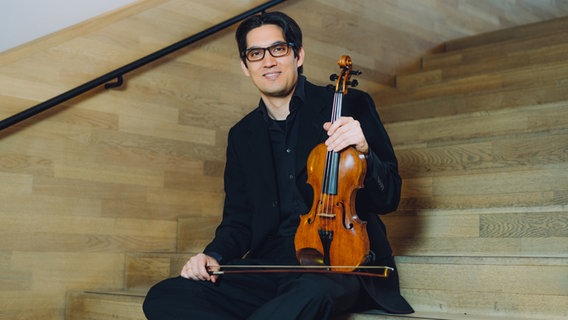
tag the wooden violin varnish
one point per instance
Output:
(331, 234)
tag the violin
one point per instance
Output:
(331, 234)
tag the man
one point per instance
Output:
(266, 191)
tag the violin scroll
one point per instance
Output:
(343, 80)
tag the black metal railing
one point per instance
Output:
(117, 75)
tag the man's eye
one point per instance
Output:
(254, 53)
(278, 49)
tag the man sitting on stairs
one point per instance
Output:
(266, 191)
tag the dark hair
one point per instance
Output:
(290, 29)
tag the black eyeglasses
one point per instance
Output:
(276, 50)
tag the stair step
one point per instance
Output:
(420, 315)
(526, 287)
(497, 154)
(481, 125)
(116, 305)
(483, 52)
(530, 287)
(509, 34)
(127, 305)
(484, 64)
(492, 232)
(525, 77)
(467, 103)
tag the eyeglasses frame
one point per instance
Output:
(288, 44)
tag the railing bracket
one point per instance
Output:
(115, 84)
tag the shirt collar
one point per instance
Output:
(298, 97)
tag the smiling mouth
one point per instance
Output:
(271, 75)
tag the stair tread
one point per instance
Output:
(521, 77)
(133, 299)
(483, 51)
(469, 66)
(423, 315)
(471, 102)
(135, 292)
(516, 33)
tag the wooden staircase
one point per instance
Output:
(481, 133)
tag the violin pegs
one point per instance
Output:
(333, 77)
(353, 83)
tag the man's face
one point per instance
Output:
(274, 77)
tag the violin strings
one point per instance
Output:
(329, 197)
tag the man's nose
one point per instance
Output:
(268, 60)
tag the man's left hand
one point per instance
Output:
(345, 132)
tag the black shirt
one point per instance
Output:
(284, 139)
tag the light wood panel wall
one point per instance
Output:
(109, 173)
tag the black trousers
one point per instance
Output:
(254, 296)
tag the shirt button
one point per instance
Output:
(288, 150)
(291, 177)
(275, 204)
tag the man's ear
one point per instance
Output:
(300, 57)
(245, 68)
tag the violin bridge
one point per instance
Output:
(326, 215)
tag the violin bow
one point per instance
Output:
(240, 269)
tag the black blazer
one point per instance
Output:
(251, 211)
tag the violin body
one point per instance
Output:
(331, 233)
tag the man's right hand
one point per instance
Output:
(198, 267)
